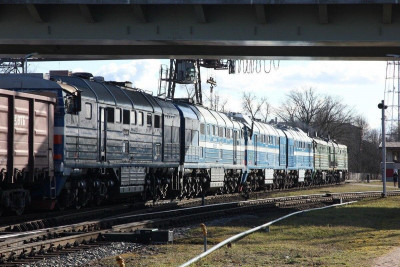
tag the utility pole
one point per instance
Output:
(383, 107)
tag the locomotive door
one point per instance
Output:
(102, 134)
(235, 147)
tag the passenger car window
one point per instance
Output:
(88, 108)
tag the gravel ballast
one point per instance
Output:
(84, 258)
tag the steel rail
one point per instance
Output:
(255, 229)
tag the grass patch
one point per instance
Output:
(352, 235)
(348, 187)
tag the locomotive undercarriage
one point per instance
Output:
(255, 180)
(158, 184)
(96, 186)
(283, 180)
(195, 183)
(192, 183)
(231, 181)
(93, 187)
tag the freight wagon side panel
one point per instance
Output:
(21, 135)
(3, 134)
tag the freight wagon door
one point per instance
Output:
(102, 135)
(235, 134)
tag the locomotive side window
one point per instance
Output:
(126, 117)
(157, 121)
(149, 122)
(188, 138)
(110, 115)
(208, 129)
(117, 115)
(175, 134)
(140, 118)
(202, 129)
(133, 117)
(195, 137)
(88, 108)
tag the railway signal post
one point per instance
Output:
(383, 107)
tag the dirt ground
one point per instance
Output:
(390, 259)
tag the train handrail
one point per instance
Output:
(255, 229)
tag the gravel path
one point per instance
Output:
(391, 259)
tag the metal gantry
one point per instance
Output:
(392, 100)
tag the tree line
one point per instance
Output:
(320, 115)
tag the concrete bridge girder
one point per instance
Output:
(82, 30)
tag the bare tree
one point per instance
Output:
(215, 102)
(301, 108)
(333, 116)
(253, 106)
(314, 112)
(329, 116)
(266, 111)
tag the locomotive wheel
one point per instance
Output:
(60, 206)
(19, 211)
(97, 200)
(77, 202)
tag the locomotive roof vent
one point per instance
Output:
(83, 75)
(126, 84)
(60, 73)
(99, 79)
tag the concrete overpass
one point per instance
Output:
(100, 29)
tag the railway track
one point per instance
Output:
(22, 247)
(35, 221)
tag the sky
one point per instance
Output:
(360, 84)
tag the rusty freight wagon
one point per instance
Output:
(26, 149)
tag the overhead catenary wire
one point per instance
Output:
(250, 66)
(255, 229)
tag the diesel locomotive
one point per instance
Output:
(108, 141)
